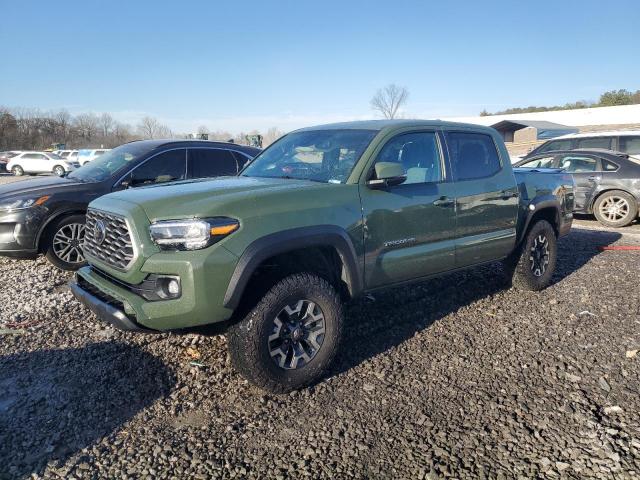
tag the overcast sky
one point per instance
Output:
(255, 64)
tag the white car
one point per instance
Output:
(85, 156)
(40, 162)
(625, 141)
(67, 154)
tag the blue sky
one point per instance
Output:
(254, 64)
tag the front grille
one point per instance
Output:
(115, 249)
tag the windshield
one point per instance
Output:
(317, 155)
(106, 165)
(55, 156)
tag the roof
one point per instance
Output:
(539, 124)
(608, 133)
(189, 142)
(386, 124)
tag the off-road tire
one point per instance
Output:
(518, 266)
(17, 170)
(248, 339)
(631, 208)
(49, 248)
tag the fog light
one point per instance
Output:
(168, 287)
(173, 287)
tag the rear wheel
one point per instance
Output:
(292, 335)
(64, 243)
(615, 209)
(532, 266)
(59, 170)
(17, 170)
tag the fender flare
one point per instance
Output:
(540, 203)
(294, 239)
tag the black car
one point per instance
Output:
(607, 182)
(47, 215)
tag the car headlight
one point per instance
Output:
(192, 234)
(22, 203)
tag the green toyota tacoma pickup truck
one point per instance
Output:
(321, 216)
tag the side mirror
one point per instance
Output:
(388, 174)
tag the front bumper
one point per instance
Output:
(104, 311)
(19, 232)
(204, 276)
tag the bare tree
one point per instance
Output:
(106, 124)
(87, 126)
(149, 128)
(271, 136)
(389, 99)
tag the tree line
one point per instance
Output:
(32, 129)
(611, 98)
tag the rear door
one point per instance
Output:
(587, 173)
(486, 198)
(211, 162)
(410, 228)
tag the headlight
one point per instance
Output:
(22, 203)
(192, 234)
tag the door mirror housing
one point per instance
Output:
(388, 174)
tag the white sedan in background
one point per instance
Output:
(33, 163)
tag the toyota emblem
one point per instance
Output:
(99, 232)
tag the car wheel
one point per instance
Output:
(291, 336)
(532, 266)
(615, 209)
(17, 170)
(64, 243)
(59, 170)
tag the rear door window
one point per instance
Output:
(556, 145)
(473, 155)
(595, 142)
(211, 162)
(630, 144)
(164, 167)
(608, 166)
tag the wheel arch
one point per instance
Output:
(44, 229)
(545, 208)
(294, 240)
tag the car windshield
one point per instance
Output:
(55, 156)
(318, 155)
(111, 162)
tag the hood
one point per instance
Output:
(41, 186)
(222, 196)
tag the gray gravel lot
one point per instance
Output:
(452, 377)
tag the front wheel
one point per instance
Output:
(615, 209)
(64, 243)
(532, 266)
(291, 336)
(58, 170)
(17, 170)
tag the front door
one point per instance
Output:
(410, 228)
(486, 198)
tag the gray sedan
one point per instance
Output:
(607, 182)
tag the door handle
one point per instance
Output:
(593, 178)
(443, 202)
(506, 194)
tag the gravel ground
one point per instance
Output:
(452, 377)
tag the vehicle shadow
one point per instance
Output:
(53, 403)
(384, 320)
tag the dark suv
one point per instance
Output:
(47, 215)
